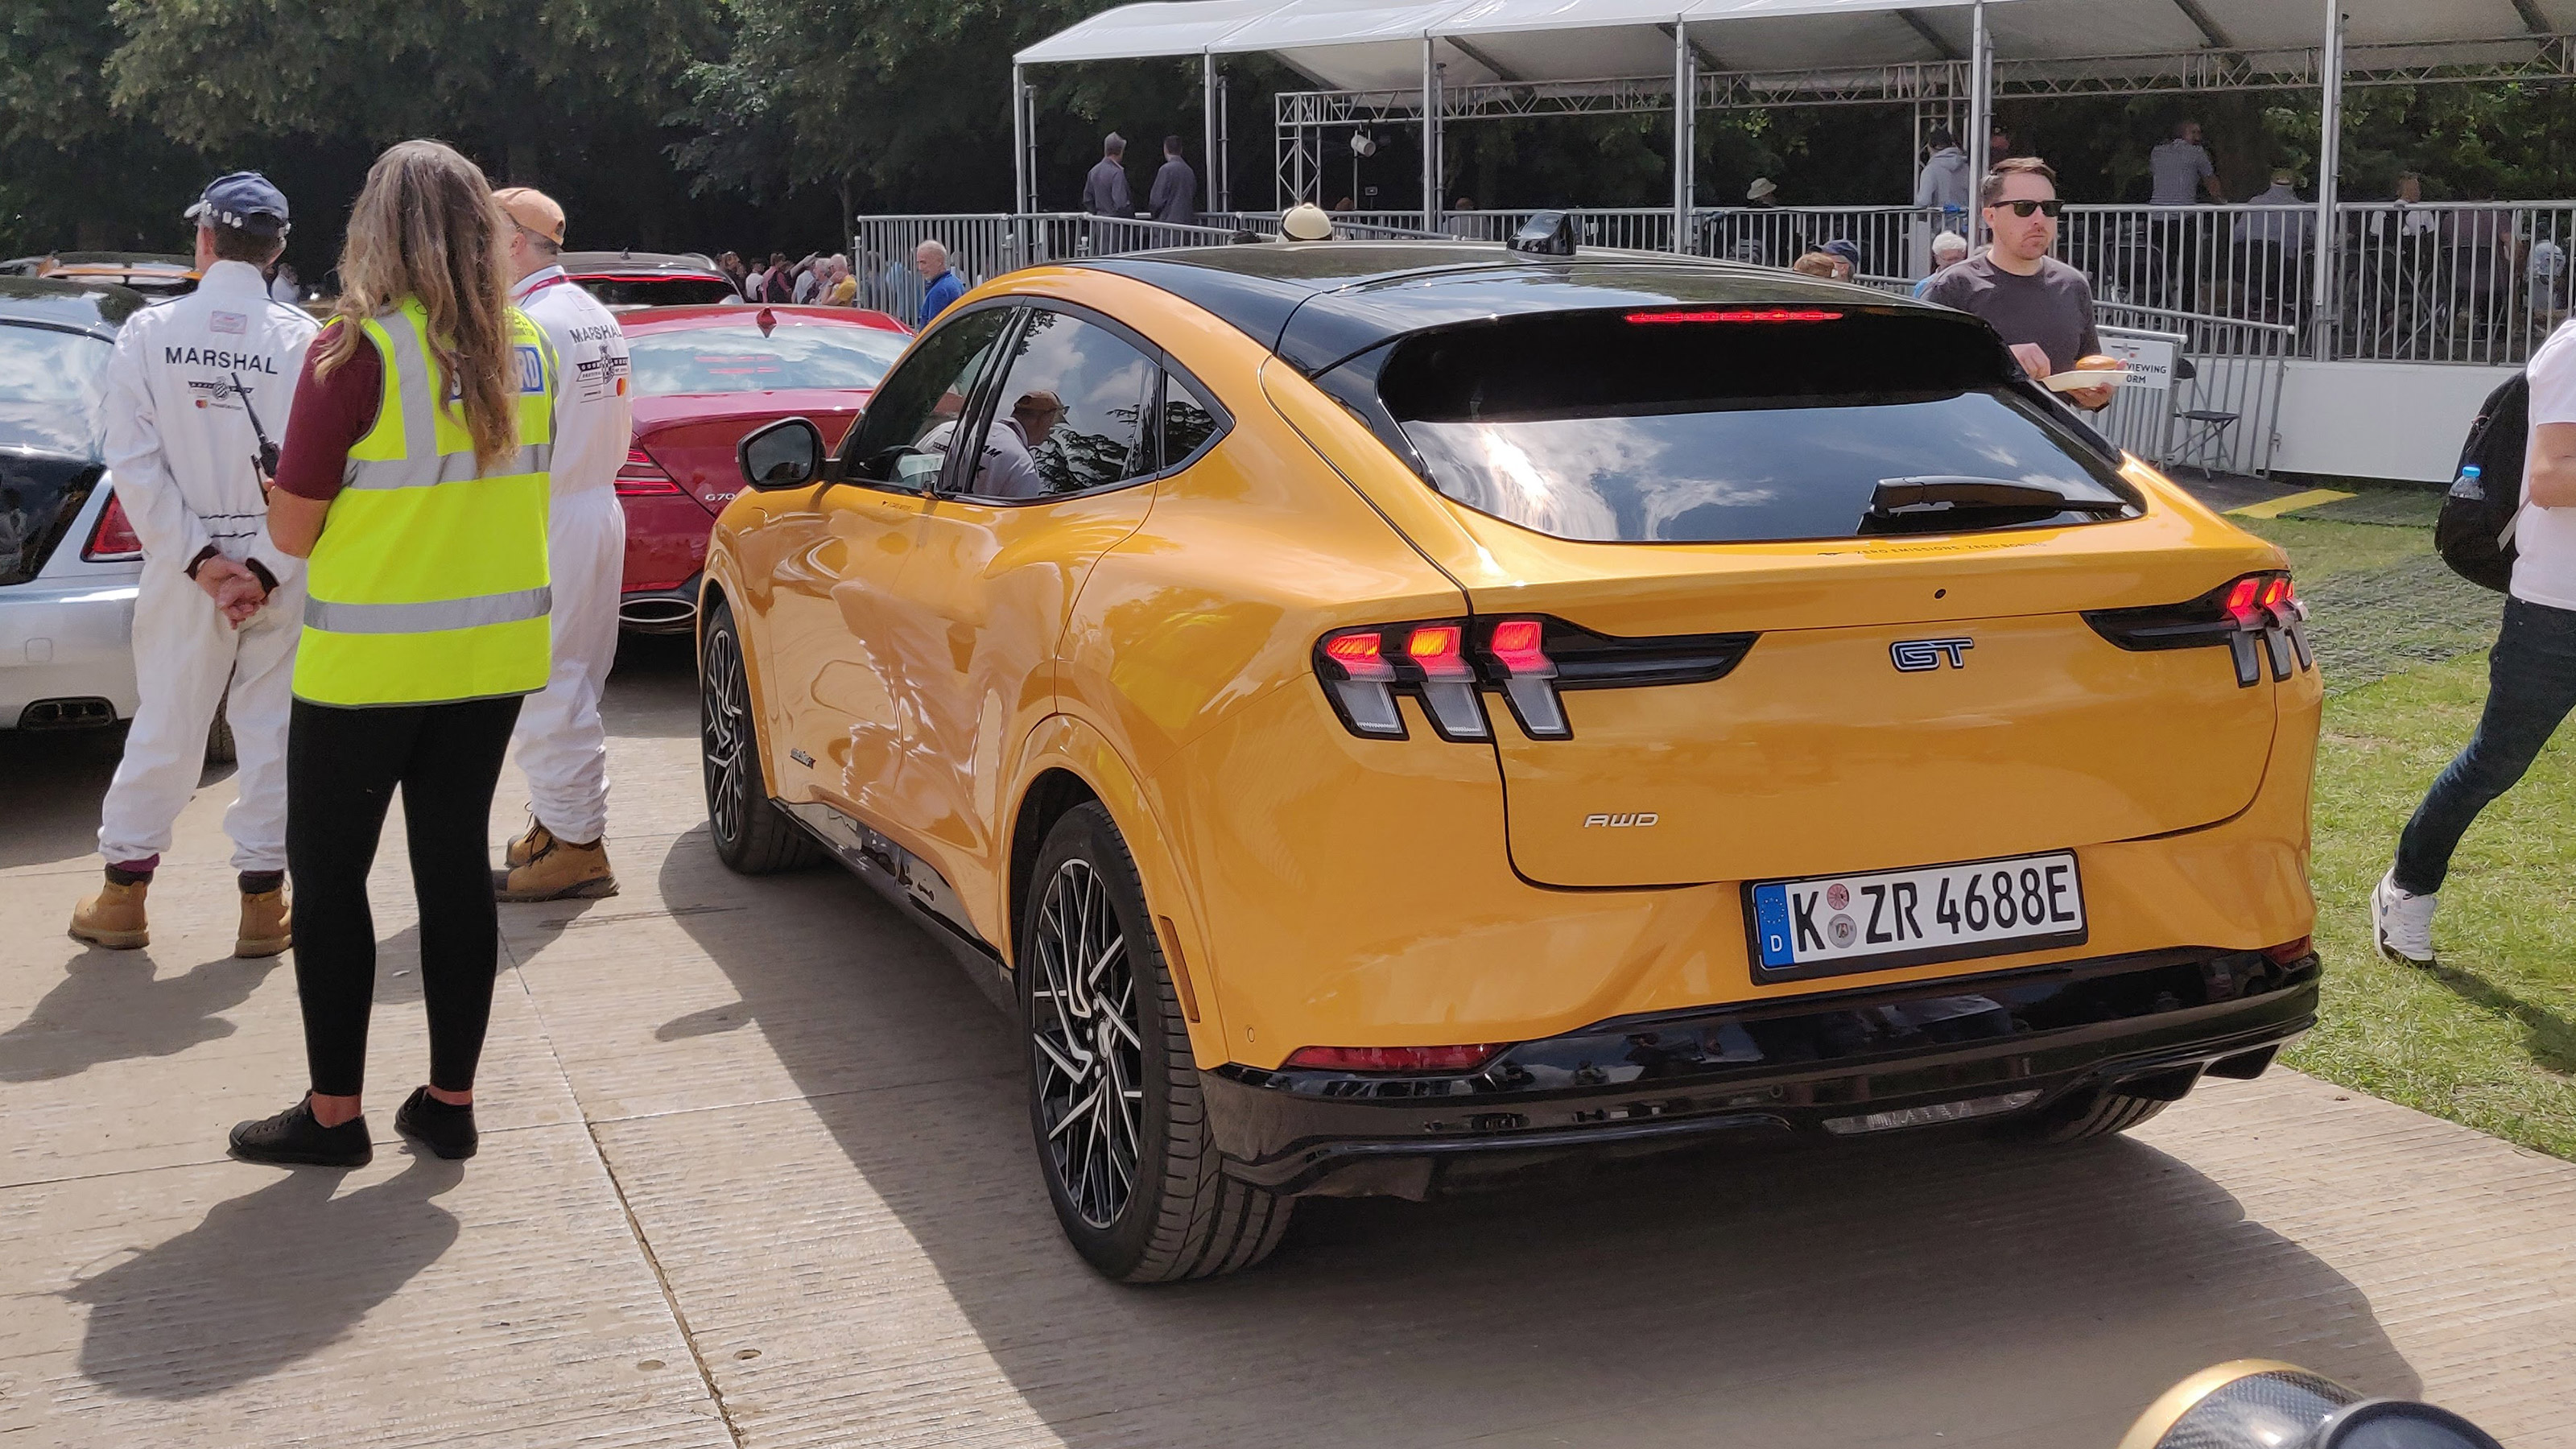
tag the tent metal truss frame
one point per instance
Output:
(1303, 121)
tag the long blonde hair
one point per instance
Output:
(426, 227)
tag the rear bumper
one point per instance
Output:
(660, 611)
(63, 642)
(2154, 1020)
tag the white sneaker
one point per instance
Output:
(2401, 922)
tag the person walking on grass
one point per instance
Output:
(2531, 674)
(414, 480)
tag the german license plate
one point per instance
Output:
(1831, 925)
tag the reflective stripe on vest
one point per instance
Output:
(429, 583)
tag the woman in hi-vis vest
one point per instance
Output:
(413, 477)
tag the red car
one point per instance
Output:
(702, 377)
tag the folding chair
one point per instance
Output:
(2204, 429)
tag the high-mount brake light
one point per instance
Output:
(641, 477)
(1395, 1059)
(1736, 314)
(2256, 616)
(112, 539)
(1518, 649)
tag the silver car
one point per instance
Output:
(69, 564)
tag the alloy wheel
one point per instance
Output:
(1087, 1045)
(721, 731)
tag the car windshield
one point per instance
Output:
(1712, 427)
(736, 357)
(50, 388)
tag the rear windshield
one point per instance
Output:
(658, 291)
(1697, 426)
(736, 357)
(51, 386)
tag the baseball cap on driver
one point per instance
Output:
(244, 201)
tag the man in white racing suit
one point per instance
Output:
(193, 387)
(562, 745)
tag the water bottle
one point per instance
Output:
(2468, 484)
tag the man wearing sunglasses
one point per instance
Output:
(2042, 308)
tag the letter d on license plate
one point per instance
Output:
(1832, 925)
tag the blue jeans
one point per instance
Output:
(2531, 686)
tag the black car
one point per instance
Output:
(649, 279)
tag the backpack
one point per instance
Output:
(2475, 531)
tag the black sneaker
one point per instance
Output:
(443, 1127)
(292, 1138)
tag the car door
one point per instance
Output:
(1069, 446)
(842, 702)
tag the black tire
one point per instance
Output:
(2085, 1115)
(752, 835)
(219, 736)
(1159, 1209)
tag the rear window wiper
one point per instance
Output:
(1948, 492)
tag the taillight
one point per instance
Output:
(112, 538)
(1395, 1059)
(641, 477)
(2288, 951)
(2254, 616)
(1448, 663)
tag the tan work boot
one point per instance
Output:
(114, 917)
(267, 924)
(560, 870)
(523, 847)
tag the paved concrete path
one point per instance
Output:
(756, 1172)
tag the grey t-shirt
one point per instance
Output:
(2177, 166)
(2053, 308)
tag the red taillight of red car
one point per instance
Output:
(1395, 1059)
(641, 477)
(1449, 664)
(112, 538)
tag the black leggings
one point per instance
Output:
(341, 769)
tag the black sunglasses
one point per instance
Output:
(2051, 207)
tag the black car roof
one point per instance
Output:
(99, 307)
(1318, 303)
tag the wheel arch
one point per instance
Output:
(1069, 763)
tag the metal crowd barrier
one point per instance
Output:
(2456, 282)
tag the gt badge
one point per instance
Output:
(1914, 656)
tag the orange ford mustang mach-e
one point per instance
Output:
(1372, 712)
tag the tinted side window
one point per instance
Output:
(914, 412)
(1187, 422)
(1069, 415)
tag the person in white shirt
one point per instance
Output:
(2181, 169)
(220, 606)
(562, 743)
(2531, 673)
(287, 287)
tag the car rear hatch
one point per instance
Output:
(1764, 592)
(692, 438)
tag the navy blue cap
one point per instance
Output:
(1845, 248)
(243, 201)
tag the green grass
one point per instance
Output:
(2489, 1039)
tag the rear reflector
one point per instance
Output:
(641, 477)
(112, 538)
(1927, 1116)
(1394, 1059)
(2288, 951)
(1736, 314)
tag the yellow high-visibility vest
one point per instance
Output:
(429, 583)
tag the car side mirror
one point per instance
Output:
(786, 454)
